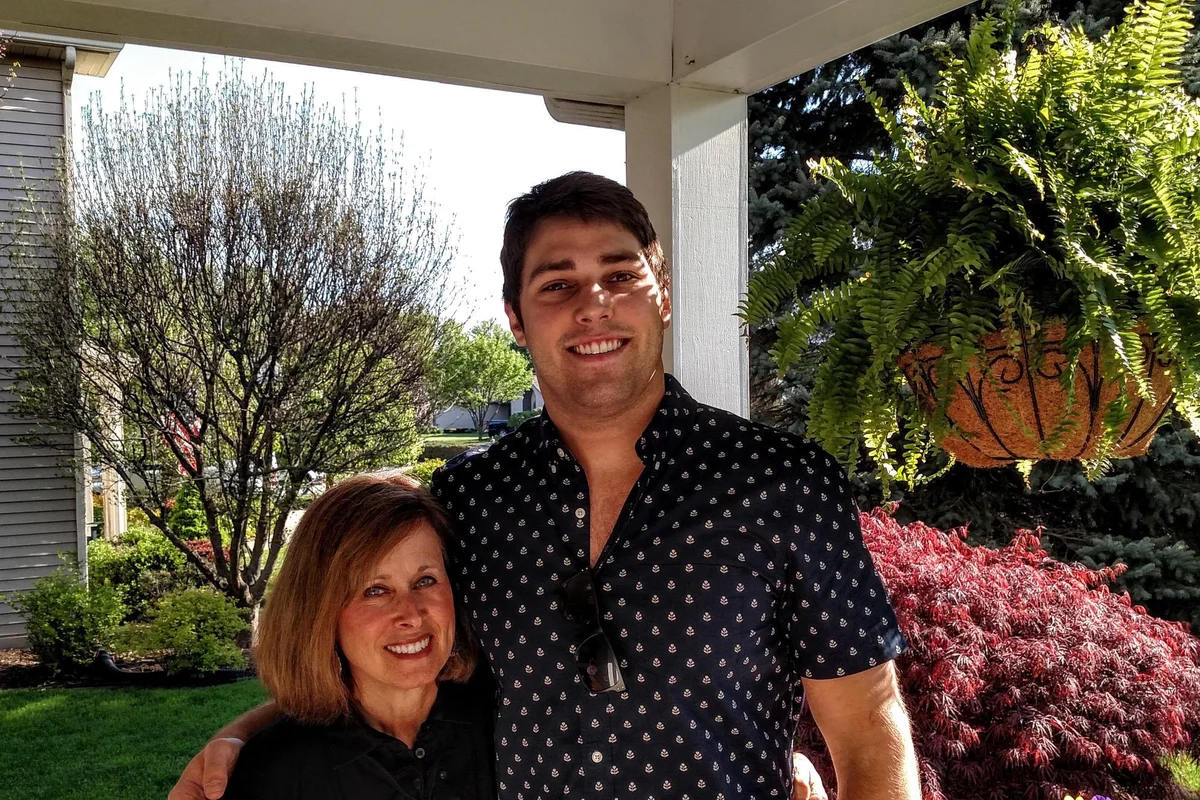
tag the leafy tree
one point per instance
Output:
(481, 369)
(243, 292)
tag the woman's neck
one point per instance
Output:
(397, 712)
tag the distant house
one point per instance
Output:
(457, 418)
(44, 504)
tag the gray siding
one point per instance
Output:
(39, 495)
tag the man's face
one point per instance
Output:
(593, 314)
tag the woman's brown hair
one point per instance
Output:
(342, 535)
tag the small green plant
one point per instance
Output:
(199, 629)
(67, 622)
(186, 519)
(1186, 771)
(141, 565)
(423, 470)
(1050, 182)
(515, 420)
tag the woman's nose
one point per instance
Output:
(405, 610)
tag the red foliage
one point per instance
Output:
(204, 549)
(1026, 677)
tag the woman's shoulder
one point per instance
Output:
(286, 759)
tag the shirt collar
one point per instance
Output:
(660, 438)
(351, 737)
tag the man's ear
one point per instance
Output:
(514, 324)
(666, 308)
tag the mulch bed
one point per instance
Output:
(20, 669)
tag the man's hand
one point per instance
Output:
(207, 774)
(806, 783)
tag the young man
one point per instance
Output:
(655, 581)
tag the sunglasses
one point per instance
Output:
(594, 654)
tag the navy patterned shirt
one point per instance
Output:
(735, 568)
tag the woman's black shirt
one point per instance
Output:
(451, 758)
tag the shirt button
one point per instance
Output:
(597, 756)
(419, 752)
(580, 513)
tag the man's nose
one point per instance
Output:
(595, 304)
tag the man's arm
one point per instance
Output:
(865, 726)
(207, 774)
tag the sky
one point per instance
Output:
(478, 148)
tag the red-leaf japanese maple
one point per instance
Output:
(1026, 677)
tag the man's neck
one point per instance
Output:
(602, 441)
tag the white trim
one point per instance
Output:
(686, 161)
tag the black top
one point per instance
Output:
(735, 568)
(451, 758)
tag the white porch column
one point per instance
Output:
(686, 160)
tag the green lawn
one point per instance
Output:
(108, 744)
(452, 438)
(1186, 771)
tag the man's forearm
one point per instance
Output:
(883, 765)
(250, 723)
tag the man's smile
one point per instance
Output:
(598, 347)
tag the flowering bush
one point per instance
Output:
(203, 549)
(1026, 677)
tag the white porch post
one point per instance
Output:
(686, 161)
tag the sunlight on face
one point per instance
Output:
(398, 630)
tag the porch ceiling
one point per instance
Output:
(597, 50)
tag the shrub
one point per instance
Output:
(423, 470)
(515, 420)
(203, 549)
(186, 519)
(66, 621)
(1026, 677)
(142, 566)
(200, 628)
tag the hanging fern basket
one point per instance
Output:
(1015, 404)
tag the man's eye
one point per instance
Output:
(554, 286)
(624, 276)
(426, 581)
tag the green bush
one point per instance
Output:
(65, 620)
(199, 628)
(186, 519)
(515, 420)
(423, 470)
(142, 566)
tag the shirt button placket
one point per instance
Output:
(593, 723)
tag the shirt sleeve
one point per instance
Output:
(838, 617)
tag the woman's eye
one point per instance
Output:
(374, 591)
(425, 581)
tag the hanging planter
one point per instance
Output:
(1049, 185)
(1013, 404)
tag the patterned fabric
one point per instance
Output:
(735, 568)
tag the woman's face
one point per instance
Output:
(398, 630)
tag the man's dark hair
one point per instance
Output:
(580, 196)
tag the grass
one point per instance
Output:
(108, 744)
(1186, 772)
(451, 438)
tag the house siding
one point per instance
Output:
(41, 508)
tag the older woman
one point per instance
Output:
(362, 650)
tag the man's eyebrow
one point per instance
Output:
(621, 257)
(564, 265)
